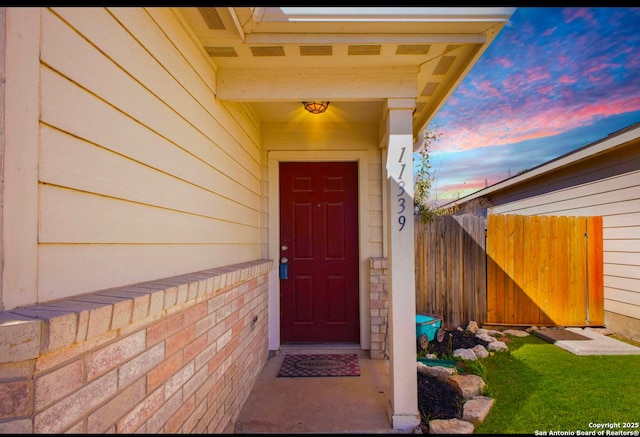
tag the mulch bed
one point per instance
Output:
(436, 399)
(454, 339)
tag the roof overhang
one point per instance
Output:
(269, 56)
(610, 142)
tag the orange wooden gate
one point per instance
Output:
(544, 270)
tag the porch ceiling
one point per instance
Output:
(275, 58)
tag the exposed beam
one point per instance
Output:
(255, 85)
(236, 22)
(357, 38)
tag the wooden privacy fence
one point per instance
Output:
(533, 270)
(544, 270)
(450, 268)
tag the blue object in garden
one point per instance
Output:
(428, 328)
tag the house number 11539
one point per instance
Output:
(402, 218)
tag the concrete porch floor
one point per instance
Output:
(357, 404)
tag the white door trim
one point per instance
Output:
(274, 159)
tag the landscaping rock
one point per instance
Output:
(516, 332)
(486, 337)
(467, 386)
(472, 327)
(491, 332)
(441, 373)
(451, 426)
(497, 346)
(465, 354)
(476, 409)
(480, 351)
(531, 329)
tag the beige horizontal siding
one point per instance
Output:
(143, 174)
(66, 270)
(74, 111)
(620, 271)
(622, 258)
(69, 162)
(154, 108)
(607, 195)
(324, 136)
(375, 204)
(623, 308)
(625, 233)
(624, 220)
(78, 217)
(624, 296)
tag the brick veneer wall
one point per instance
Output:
(179, 355)
(379, 298)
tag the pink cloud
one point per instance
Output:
(511, 127)
(549, 31)
(572, 14)
(564, 79)
(546, 89)
(596, 67)
(550, 78)
(537, 73)
(488, 89)
(504, 62)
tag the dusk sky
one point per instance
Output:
(554, 80)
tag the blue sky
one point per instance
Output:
(554, 80)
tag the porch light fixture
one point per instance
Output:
(316, 107)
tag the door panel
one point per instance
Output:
(319, 227)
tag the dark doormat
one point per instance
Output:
(553, 335)
(320, 365)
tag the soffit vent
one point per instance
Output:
(268, 51)
(364, 50)
(451, 48)
(212, 18)
(222, 52)
(429, 88)
(444, 64)
(420, 106)
(413, 49)
(316, 50)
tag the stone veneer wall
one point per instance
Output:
(379, 298)
(178, 355)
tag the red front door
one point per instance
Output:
(319, 238)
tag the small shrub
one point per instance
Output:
(474, 367)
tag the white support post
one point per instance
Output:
(402, 307)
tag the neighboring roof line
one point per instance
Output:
(612, 140)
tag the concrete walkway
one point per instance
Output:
(357, 404)
(593, 344)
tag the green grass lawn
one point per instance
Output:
(540, 387)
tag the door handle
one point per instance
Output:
(284, 268)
